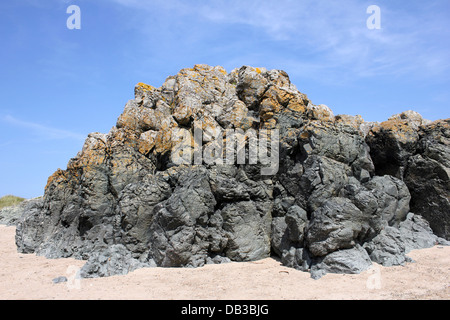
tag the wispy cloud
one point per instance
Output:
(42, 130)
(336, 34)
(332, 35)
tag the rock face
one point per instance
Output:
(418, 152)
(11, 215)
(334, 195)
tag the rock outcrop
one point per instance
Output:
(184, 179)
(12, 214)
(418, 152)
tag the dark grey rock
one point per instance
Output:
(340, 143)
(418, 152)
(354, 260)
(342, 184)
(387, 248)
(428, 177)
(136, 209)
(297, 258)
(113, 260)
(279, 236)
(323, 179)
(392, 198)
(251, 86)
(29, 227)
(337, 225)
(247, 225)
(10, 216)
(59, 279)
(391, 245)
(217, 260)
(417, 234)
(296, 221)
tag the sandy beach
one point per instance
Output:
(27, 276)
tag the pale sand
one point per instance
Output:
(27, 276)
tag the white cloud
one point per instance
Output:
(332, 34)
(44, 131)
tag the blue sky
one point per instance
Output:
(57, 85)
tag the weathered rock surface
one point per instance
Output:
(340, 194)
(11, 215)
(113, 260)
(418, 152)
(353, 260)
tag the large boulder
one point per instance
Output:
(215, 167)
(428, 177)
(337, 225)
(352, 260)
(11, 215)
(392, 142)
(417, 151)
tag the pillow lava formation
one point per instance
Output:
(345, 192)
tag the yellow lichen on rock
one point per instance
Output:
(145, 87)
(320, 112)
(401, 129)
(57, 177)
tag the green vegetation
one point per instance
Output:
(9, 200)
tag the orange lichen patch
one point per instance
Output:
(412, 117)
(352, 121)
(147, 141)
(223, 71)
(290, 134)
(272, 93)
(437, 129)
(124, 137)
(145, 147)
(145, 87)
(266, 116)
(163, 142)
(269, 106)
(199, 67)
(438, 123)
(128, 119)
(401, 130)
(396, 126)
(236, 116)
(91, 158)
(304, 135)
(269, 124)
(320, 112)
(183, 114)
(258, 70)
(296, 106)
(285, 98)
(86, 162)
(246, 123)
(56, 178)
(445, 123)
(121, 164)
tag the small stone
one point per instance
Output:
(59, 279)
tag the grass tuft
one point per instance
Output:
(10, 200)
